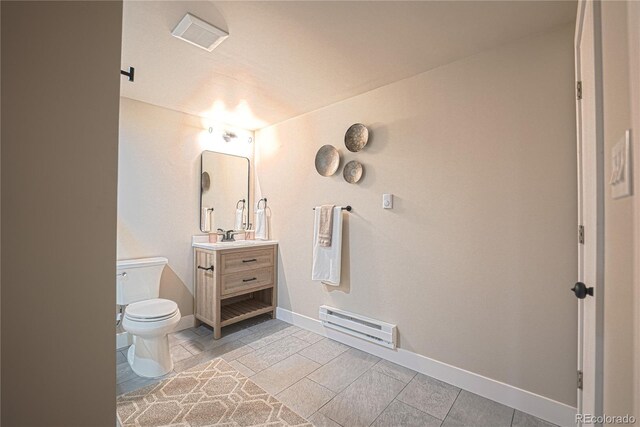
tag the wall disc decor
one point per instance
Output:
(352, 171)
(356, 137)
(327, 160)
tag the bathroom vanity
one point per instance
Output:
(234, 281)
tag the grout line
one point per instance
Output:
(259, 348)
(321, 365)
(389, 376)
(323, 415)
(415, 373)
(254, 351)
(394, 397)
(428, 413)
(330, 360)
(341, 391)
(186, 349)
(513, 415)
(454, 402)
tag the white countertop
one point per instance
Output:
(202, 242)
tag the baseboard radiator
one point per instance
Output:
(362, 327)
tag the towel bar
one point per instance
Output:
(344, 208)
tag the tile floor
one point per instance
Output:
(329, 383)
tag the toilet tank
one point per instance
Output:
(138, 279)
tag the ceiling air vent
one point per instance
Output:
(197, 32)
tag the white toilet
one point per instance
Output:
(146, 317)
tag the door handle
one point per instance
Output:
(581, 290)
(204, 268)
(249, 280)
(249, 260)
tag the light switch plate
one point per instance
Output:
(620, 179)
(387, 201)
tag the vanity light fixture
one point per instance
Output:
(228, 136)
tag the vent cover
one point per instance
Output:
(199, 33)
(368, 329)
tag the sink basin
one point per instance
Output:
(236, 244)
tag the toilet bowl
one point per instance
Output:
(146, 317)
(149, 322)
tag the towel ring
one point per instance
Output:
(243, 201)
(264, 199)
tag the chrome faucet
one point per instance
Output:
(227, 236)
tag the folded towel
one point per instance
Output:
(206, 219)
(239, 219)
(325, 228)
(327, 259)
(262, 233)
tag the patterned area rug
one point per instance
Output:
(211, 394)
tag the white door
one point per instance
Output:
(590, 205)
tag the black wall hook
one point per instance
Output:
(129, 73)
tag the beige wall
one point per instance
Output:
(618, 46)
(475, 261)
(159, 188)
(633, 22)
(59, 169)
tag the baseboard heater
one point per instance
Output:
(363, 327)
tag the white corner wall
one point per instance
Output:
(475, 261)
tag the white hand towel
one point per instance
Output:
(261, 225)
(325, 227)
(327, 260)
(206, 219)
(239, 219)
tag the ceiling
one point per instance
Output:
(283, 59)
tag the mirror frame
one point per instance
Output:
(247, 205)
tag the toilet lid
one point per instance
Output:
(153, 309)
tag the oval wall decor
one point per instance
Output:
(356, 137)
(327, 160)
(352, 171)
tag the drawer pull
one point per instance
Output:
(250, 260)
(249, 280)
(204, 268)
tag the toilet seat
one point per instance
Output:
(152, 310)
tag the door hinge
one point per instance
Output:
(581, 234)
(579, 90)
(579, 380)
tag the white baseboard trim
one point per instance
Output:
(522, 400)
(123, 339)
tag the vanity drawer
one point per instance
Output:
(235, 262)
(245, 280)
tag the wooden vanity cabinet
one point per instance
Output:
(234, 284)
